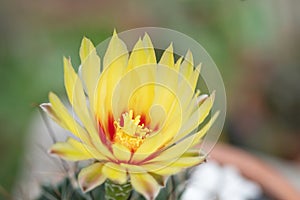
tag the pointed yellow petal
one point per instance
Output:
(169, 168)
(81, 109)
(135, 91)
(70, 77)
(178, 150)
(91, 177)
(161, 180)
(71, 150)
(136, 169)
(149, 49)
(185, 162)
(116, 52)
(115, 172)
(145, 184)
(115, 62)
(90, 67)
(161, 168)
(164, 135)
(167, 59)
(174, 152)
(200, 134)
(178, 63)
(77, 99)
(196, 118)
(194, 76)
(187, 65)
(47, 108)
(138, 56)
(60, 114)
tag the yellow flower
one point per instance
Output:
(135, 118)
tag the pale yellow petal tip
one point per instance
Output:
(198, 68)
(147, 40)
(90, 177)
(189, 56)
(67, 63)
(170, 48)
(66, 60)
(84, 38)
(51, 95)
(146, 37)
(115, 34)
(139, 44)
(85, 41)
(140, 40)
(179, 61)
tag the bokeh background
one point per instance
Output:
(255, 44)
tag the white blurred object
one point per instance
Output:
(211, 181)
(38, 166)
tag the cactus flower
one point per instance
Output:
(135, 117)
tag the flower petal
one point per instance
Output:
(162, 169)
(77, 98)
(71, 150)
(183, 146)
(178, 63)
(138, 56)
(114, 64)
(167, 59)
(194, 76)
(70, 78)
(60, 114)
(121, 152)
(115, 172)
(116, 52)
(196, 118)
(145, 184)
(200, 134)
(47, 108)
(135, 91)
(149, 49)
(174, 152)
(174, 168)
(187, 65)
(81, 109)
(161, 180)
(91, 177)
(90, 67)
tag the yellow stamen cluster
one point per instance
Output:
(131, 134)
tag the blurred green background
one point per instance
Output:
(255, 44)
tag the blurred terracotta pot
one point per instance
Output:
(271, 181)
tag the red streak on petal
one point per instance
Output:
(147, 159)
(156, 128)
(111, 127)
(143, 119)
(101, 133)
(121, 121)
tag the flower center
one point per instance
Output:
(129, 132)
